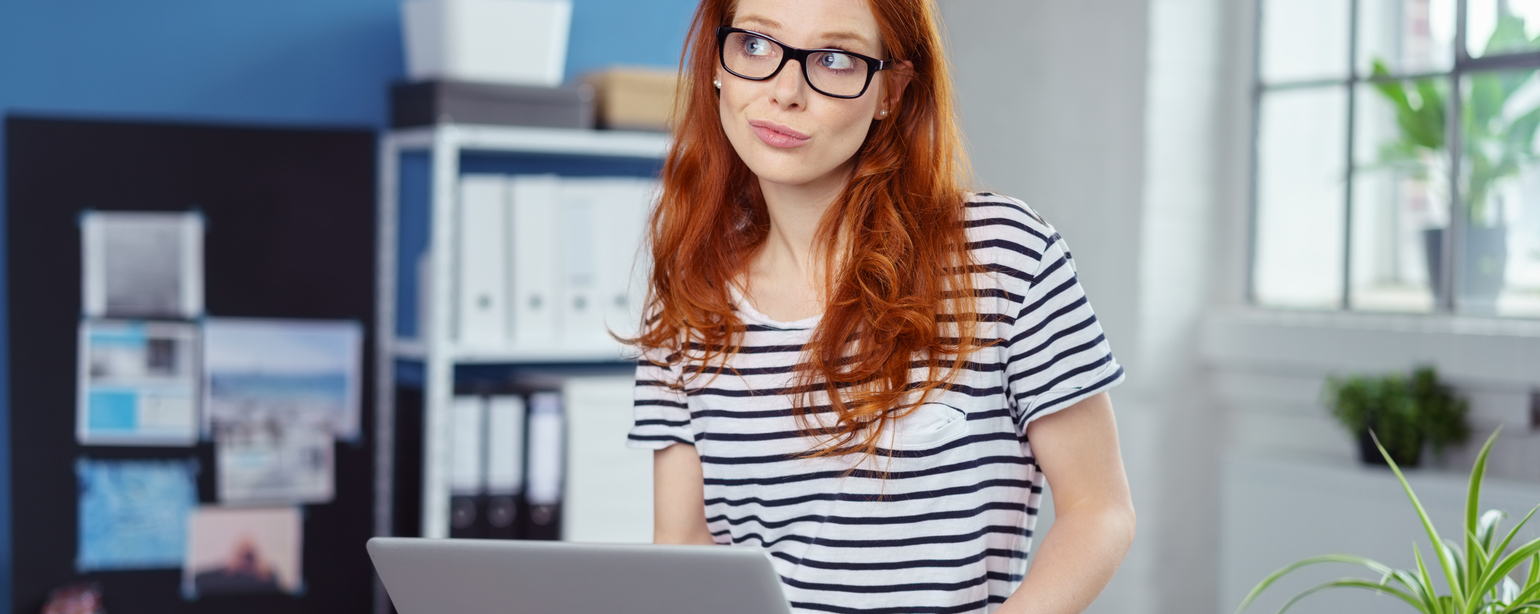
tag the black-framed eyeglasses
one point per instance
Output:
(831, 72)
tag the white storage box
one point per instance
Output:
(521, 42)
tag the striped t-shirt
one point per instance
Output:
(941, 520)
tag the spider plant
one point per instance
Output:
(1478, 575)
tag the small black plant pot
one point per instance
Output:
(1370, 455)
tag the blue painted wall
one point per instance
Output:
(284, 62)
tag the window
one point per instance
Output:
(1396, 156)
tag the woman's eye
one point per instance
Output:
(837, 61)
(756, 46)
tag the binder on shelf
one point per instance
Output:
(503, 500)
(547, 450)
(534, 207)
(623, 267)
(481, 261)
(608, 494)
(583, 202)
(466, 464)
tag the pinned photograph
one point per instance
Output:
(268, 463)
(137, 384)
(298, 374)
(142, 264)
(133, 513)
(236, 551)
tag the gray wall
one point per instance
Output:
(1103, 115)
(1051, 100)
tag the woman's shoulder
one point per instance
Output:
(1004, 230)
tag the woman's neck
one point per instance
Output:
(786, 276)
(795, 214)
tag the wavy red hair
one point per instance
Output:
(896, 285)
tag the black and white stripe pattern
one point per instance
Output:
(941, 521)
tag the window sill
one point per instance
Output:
(1489, 350)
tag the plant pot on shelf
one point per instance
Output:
(1483, 267)
(1370, 455)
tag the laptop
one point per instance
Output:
(472, 576)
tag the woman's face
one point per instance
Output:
(786, 132)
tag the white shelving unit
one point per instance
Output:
(444, 145)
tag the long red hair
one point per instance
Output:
(902, 293)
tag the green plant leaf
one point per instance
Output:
(1521, 132)
(1355, 583)
(1529, 594)
(1429, 118)
(1425, 580)
(1486, 528)
(1478, 559)
(1372, 565)
(1452, 549)
(1473, 500)
(1503, 546)
(1507, 564)
(1455, 585)
(1486, 101)
(1507, 34)
(1422, 124)
(1423, 592)
(1507, 591)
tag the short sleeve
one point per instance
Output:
(660, 406)
(1057, 352)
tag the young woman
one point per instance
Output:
(851, 361)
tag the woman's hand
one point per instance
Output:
(1093, 525)
(678, 497)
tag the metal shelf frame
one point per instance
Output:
(445, 144)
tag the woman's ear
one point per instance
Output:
(895, 80)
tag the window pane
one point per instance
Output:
(1304, 40)
(1502, 26)
(1498, 268)
(1400, 194)
(1301, 163)
(1407, 36)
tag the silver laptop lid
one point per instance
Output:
(468, 576)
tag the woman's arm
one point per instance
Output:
(1093, 525)
(678, 497)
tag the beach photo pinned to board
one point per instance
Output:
(137, 384)
(243, 551)
(142, 264)
(288, 375)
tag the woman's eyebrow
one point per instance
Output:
(771, 24)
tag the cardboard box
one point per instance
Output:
(493, 41)
(634, 98)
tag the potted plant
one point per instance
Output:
(1404, 412)
(1498, 140)
(1479, 575)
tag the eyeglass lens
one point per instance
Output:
(831, 72)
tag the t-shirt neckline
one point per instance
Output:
(747, 311)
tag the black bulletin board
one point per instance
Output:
(290, 233)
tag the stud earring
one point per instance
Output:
(717, 82)
(884, 113)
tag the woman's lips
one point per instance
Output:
(776, 135)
